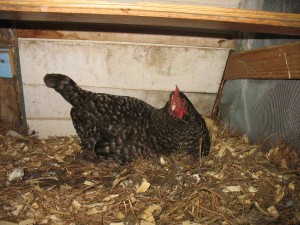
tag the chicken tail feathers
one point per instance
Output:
(65, 86)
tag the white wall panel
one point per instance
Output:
(43, 102)
(144, 70)
(49, 114)
(46, 128)
(125, 66)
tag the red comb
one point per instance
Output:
(176, 92)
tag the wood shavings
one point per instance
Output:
(89, 183)
(59, 159)
(17, 173)
(221, 152)
(252, 189)
(291, 185)
(232, 189)
(54, 218)
(245, 139)
(273, 211)
(99, 204)
(120, 215)
(2, 222)
(147, 215)
(108, 198)
(61, 186)
(117, 181)
(76, 205)
(279, 193)
(93, 211)
(256, 175)
(143, 187)
(212, 174)
(285, 156)
(18, 209)
(28, 222)
(260, 209)
(13, 133)
(163, 162)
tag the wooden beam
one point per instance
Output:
(216, 108)
(128, 38)
(279, 62)
(175, 16)
(10, 110)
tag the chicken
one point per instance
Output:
(124, 128)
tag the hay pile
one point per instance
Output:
(48, 182)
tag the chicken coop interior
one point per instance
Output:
(237, 61)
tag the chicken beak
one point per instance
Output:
(173, 107)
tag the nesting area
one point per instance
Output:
(50, 182)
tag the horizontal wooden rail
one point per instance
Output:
(172, 16)
(279, 62)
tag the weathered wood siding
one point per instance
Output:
(10, 113)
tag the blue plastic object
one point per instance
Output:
(5, 67)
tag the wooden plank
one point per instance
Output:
(10, 116)
(175, 16)
(6, 38)
(169, 40)
(216, 108)
(279, 62)
(10, 93)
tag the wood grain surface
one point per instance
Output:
(277, 62)
(175, 16)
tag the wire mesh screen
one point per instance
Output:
(289, 6)
(267, 111)
(254, 41)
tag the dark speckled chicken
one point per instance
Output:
(123, 128)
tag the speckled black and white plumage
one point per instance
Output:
(123, 128)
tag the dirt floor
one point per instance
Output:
(49, 182)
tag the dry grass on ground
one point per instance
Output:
(235, 184)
